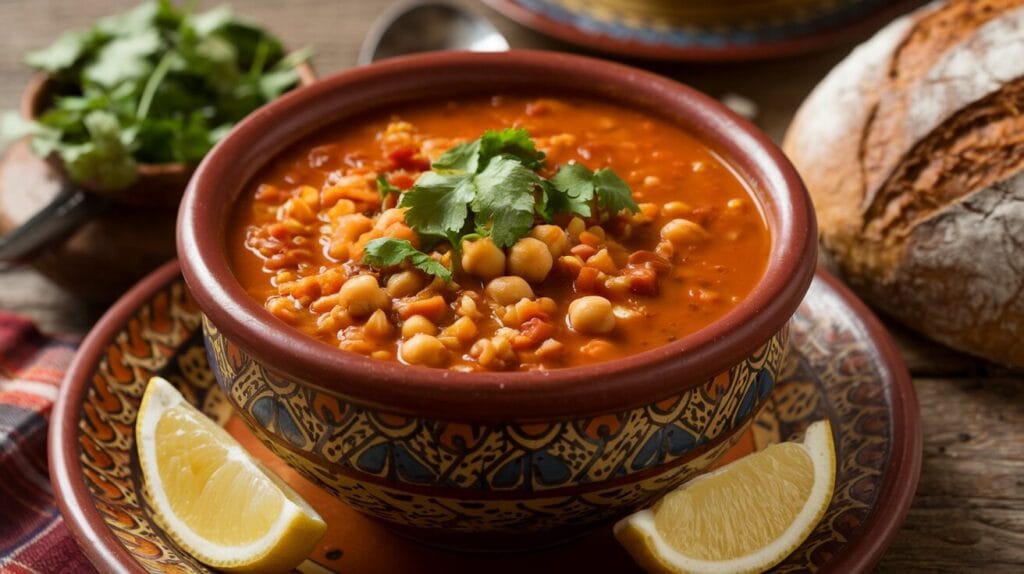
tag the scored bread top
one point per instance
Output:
(911, 149)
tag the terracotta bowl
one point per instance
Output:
(494, 460)
(112, 251)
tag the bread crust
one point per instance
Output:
(912, 149)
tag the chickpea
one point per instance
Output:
(508, 290)
(575, 227)
(592, 315)
(683, 233)
(417, 324)
(424, 349)
(377, 326)
(553, 236)
(676, 209)
(405, 283)
(483, 258)
(530, 259)
(389, 217)
(362, 296)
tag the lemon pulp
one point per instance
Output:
(745, 517)
(211, 497)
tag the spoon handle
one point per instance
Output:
(68, 209)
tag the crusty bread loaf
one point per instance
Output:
(913, 150)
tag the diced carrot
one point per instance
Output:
(432, 308)
(533, 333)
(649, 259)
(643, 280)
(586, 281)
(402, 181)
(583, 250)
(590, 238)
(408, 157)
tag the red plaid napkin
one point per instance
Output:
(33, 537)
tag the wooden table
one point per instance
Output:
(968, 514)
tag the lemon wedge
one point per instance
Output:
(744, 517)
(211, 497)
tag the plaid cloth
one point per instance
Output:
(33, 537)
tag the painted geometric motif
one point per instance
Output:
(347, 447)
(833, 374)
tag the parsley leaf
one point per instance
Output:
(613, 193)
(388, 251)
(504, 200)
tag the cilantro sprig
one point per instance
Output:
(491, 187)
(156, 84)
(388, 252)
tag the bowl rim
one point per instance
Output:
(609, 386)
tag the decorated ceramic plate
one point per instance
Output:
(843, 368)
(700, 30)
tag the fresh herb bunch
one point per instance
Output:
(490, 187)
(157, 84)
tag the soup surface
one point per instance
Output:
(349, 236)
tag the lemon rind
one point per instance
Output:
(295, 515)
(640, 527)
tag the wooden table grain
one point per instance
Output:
(968, 514)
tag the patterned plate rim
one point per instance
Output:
(108, 553)
(539, 22)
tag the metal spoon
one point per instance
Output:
(423, 26)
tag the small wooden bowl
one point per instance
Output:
(109, 253)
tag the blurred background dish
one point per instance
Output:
(699, 30)
(113, 122)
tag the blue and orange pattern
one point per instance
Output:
(494, 477)
(833, 374)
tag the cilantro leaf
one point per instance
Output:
(212, 20)
(105, 161)
(384, 188)
(504, 199)
(573, 190)
(124, 59)
(64, 53)
(474, 156)
(14, 127)
(514, 142)
(490, 187)
(613, 193)
(172, 82)
(461, 158)
(388, 251)
(438, 204)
